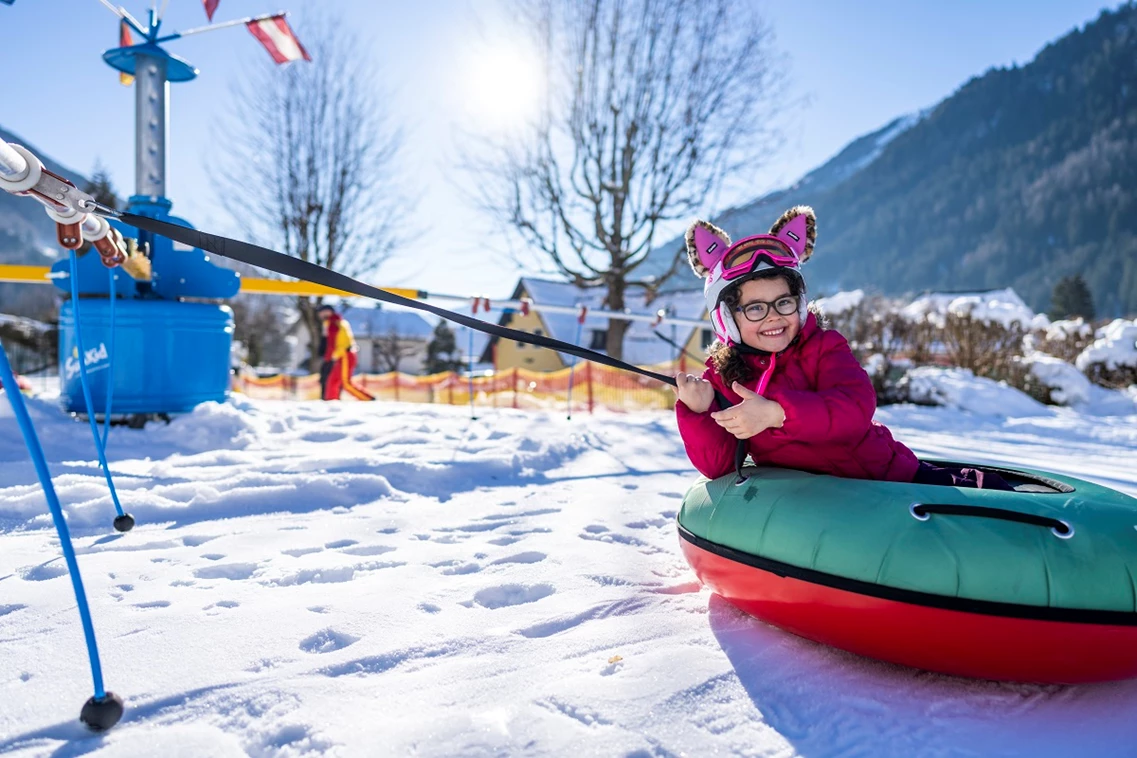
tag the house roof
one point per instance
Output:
(380, 322)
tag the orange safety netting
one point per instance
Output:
(593, 386)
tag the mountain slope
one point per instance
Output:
(1021, 177)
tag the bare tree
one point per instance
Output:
(262, 327)
(650, 105)
(309, 159)
(988, 348)
(389, 350)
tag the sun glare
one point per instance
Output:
(502, 87)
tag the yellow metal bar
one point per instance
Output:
(249, 286)
(26, 274)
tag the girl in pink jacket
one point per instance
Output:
(798, 396)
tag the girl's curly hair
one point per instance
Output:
(728, 359)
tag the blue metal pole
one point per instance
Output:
(123, 522)
(36, 451)
(110, 362)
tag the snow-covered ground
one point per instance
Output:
(392, 579)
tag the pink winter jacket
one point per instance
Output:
(829, 403)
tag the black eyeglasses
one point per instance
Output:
(759, 309)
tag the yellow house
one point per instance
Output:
(642, 346)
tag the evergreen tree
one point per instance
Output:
(1071, 297)
(442, 352)
(99, 187)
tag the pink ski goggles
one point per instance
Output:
(744, 255)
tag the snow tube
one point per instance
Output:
(1035, 585)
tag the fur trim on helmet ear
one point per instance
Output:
(706, 244)
(790, 228)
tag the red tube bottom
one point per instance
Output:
(948, 641)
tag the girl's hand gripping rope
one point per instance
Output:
(695, 392)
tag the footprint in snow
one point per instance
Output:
(506, 595)
(340, 543)
(153, 604)
(329, 575)
(323, 436)
(227, 571)
(532, 556)
(327, 641)
(296, 552)
(368, 550)
(648, 522)
(456, 567)
(613, 537)
(196, 540)
(211, 556)
(44, 571)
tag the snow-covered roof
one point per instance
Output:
(380, 322)
(1116, 345)
(641, 346)
(998, 306)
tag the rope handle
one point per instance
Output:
(924, 511)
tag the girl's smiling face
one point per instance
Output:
(775, 332)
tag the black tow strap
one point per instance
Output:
(287, 265)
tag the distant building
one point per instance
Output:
(390, 339)
(641, 345)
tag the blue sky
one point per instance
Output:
(860, 64)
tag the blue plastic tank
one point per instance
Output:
(168, 355)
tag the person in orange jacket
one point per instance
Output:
(341, 355)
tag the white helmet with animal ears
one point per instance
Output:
(724, 265)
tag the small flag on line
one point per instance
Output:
(211, 8)
(124, 40)
(279, 39)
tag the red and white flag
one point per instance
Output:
(211, 8)
(124, 40)
(279, 39)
